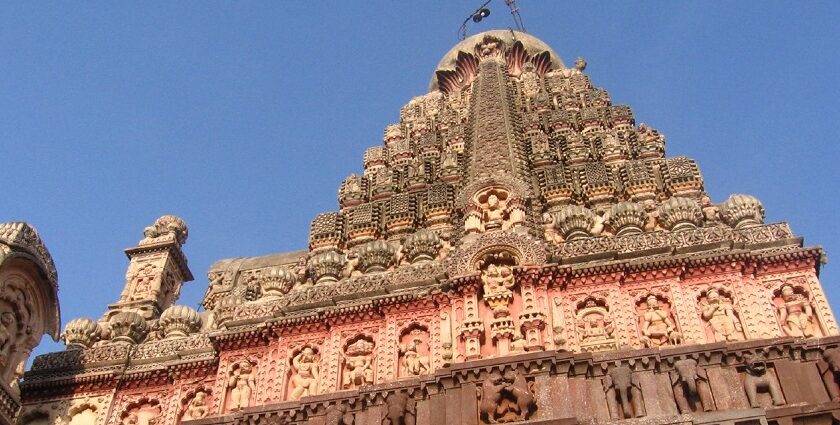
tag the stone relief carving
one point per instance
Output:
(306, 377)
(595, 326)
(197, 407)
(400, 409)
(796, 315)
(414, 353)
(241, 384)
(338, 414)
(657, 324)
(691, 387)
(358, 364)
(759, 379)
(493, 209)
(505, 397)
(497, 283)
(830, 371)
(719, 314)
(624, 393)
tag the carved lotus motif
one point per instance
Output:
(574, 222)
(81, 333)
(326, 266)
(742, 211)
(679, 213)
(128, 326)
(627, 218)
(179, 321)
(376, 256)
(421, 246)
(276, 281)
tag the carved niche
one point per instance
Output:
(305, 379)
(795, 312)
(492, 209)
(505, 397)
(595, 327)
(144, 412)
(241, 385)
(718, 313)
(196, 404)
(358, 365)
(498, 284)
(656, 322)
(414, 352)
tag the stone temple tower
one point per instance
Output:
(517, 250)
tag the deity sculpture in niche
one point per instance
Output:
(358, 364)
(146, 413)
(493, 209)
(414, 352)
(719, 315)
(595, 326)
(305, 373)
(656, 324)
(197, 407)
(241, 384)
(498, 281)
(796, 314)
(505, 397)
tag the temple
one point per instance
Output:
(517, 250)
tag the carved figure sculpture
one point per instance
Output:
(241, 384)
(831, 372)
(595, 326)
(8, 331)
(759, 380)
(197, 407)
(306, 377)
(623, 389)
(497, 279)
(400, 409)
(337, 414)
(720, 316)
(657, 325)
(796, 314)
(413, 362)
(358, 369)
(691, 387)
(493, 212)
(505, 398)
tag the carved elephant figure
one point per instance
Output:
(622, 385)
(338, 415)
(400, 409)
(691, 384)
(830, 371)
(758, 379)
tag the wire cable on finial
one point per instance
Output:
(517, 18)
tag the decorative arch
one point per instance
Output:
(524, 249)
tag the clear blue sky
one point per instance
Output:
(243, 117)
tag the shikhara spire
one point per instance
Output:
(516, 236)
